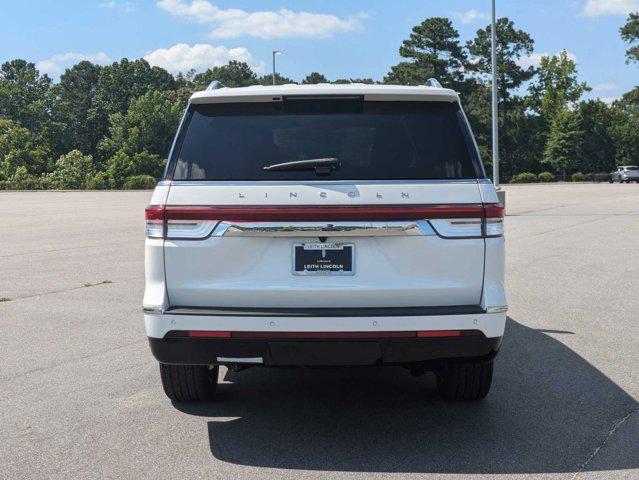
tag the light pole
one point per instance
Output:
(493, 55)
(275, 52)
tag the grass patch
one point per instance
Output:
(103, 282)
(5, 299)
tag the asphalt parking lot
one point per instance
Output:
(80, 395)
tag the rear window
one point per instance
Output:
(371, 140)
(632, 168)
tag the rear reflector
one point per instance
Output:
(449, 220)
(322, 335)
(439, 333)
(204, 334)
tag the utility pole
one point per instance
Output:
(275, 52)
(493, 47)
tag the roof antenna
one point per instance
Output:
(215, 85)
(432, 82)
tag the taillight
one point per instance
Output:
(493, 220)
(487, 222)
(154, 221)
(180, 223)
(449, 221)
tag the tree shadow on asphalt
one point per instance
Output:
(547, 412)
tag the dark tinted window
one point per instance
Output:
(372, 140)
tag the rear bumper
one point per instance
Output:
(301, 353)
(273, 344)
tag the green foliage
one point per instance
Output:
(72, 171)
(149, 124)
(99, 181)
(22, 180)
(598, 143)
(123, 116)
(314, 78)
(234, 74)
(630, 33)
(18, 149)
(140, 182)
(578, 177)
(122, 166)
(23, 94)
(557, 87)
(525, 177)
(343, 81)
(546, 177)
(563, 146)
(434, 51)
(279, 79)
(74, 99)
(512, 45)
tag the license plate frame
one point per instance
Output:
(323, 247)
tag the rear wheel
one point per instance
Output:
(465, 381)
(188, 383)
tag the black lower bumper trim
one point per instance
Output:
(274, 352)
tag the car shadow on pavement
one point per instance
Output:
(548, 411)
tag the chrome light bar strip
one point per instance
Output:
(323, 229)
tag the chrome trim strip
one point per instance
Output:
(499, 309)
(240, 360)
(323, 229)
(321, 182)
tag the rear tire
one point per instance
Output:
(465, 381)
(188, 383)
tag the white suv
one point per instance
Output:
(325, 225)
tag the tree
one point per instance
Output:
(233, 74)
(119, 84)
(367, 81)
(279, 79)
(562, 148)
(314, 78)
(598, 145)
(434, 51)
(72, 171)
(18, 151)
(512, 45)
(121, 167)
(557, 87)
(149, 125)
(23, 94)
(73, 99)
(630, 33)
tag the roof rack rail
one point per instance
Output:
(432, 82)
(215, 85)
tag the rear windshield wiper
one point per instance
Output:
(322, 166)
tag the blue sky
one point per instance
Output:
(348, 38)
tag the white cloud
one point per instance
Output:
(182, 57)
(233, 22)
(605, 87)
(126, 7)
(595, 8)
(57, 63)
(534, 59)
(470, 16)
(608, 100)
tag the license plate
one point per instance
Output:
(323, 259)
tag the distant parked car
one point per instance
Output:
(625, 174)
